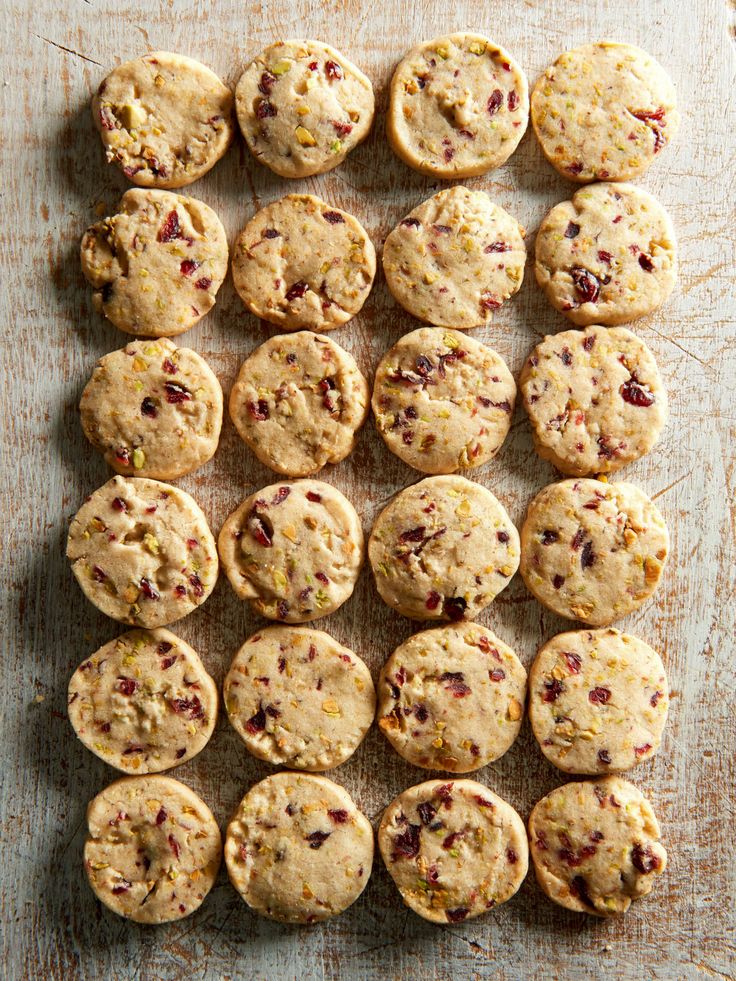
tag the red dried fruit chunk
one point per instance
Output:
(326, 386)
(174, 846)
(512, 100)
(296, 291)
(548, 537)
(342, 129)
(196, 583)
(599, 696)
(575, 167)
(256, 723)
(322, 578)
(552, 690)
(339, 816)
(450, 839)
(426, 812)
(645, 261)
(498, 674)
(433, 600)
(456, 683)
(648, 114)
(442, 229)
(180, 753)
(176, 393)
(406, 844)
(495, 101)
(167, 662)
(489, 301)
(180, 591)
(148, 408)
(170, 228)
(333, 217)
(264, 109)
(502, 536)
(641, 750)
(107, 119)
(633, 392)
(655, 698)
(161, 816)
(121, 887)
(122, 455)
(280, 496)
(411, 223)
(454, 607)
(457, 915)
(483, 801)
(333, 71)
(164, 647)
(127, 686)
(577, 540)
(512, 856)
(573, 662)
(188, 266)
(604, 756)
(644, 859)
(572, 230)
(204, 283)
(282, 609)
(119, 504)
(566, 356)
(314, 497)
(188, 706)
(421, 713)
(149, 590)
(588, 342)
(258, 531)
(558, 581)
(168, 366)
(266, 83)
(413, 535)
(448, 151)
(587, 285)
(259, 410)
(497, 247)
(587, 556)
(281, 665)
(444, 793)
(604, 256)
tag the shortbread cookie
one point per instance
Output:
(593, 551)
(153, 849)
(298, 402)
(459, 106)
(454, 850)
(294, 550)
(608, 256)
(595, 399)
(302, 107)
(455, 259)
(298, 849)
(297, 698)
(595, 845)
(164, 119)
(443, 549)
(142, 552)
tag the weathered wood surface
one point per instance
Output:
(54, 54)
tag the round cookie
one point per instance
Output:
(294, 550)
(298, 402)
(593, 551)
(452, 698)
(302, 107)
(595, 399)
(157, 265)
(595, 845)
(142, 552)
(455, 259)
(443, 401)
(144, 702)
(164, 119)
(598, 701)
(297, 698)
(603, 111)
(608, 256)
(298, 849)
(443, 549)
(454, 850)
(153, 849)
(459, 105)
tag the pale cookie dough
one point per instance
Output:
(157, 265)
(142, 552)
(443, 401)
(608, 256)
(595, 845)
(297, 698)
(443, 549)
(144, 702)
(298, 849)
(593, 551)
(302, 107)
(454, 850)
(153, 849)
(452, 698)
(298, 402)
(603, 111)
(595, 399)
(459, 106)
(294, 550)
(164, 119)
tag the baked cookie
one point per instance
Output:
(298, 402)
(595, 399)
(153, 849)
(142, 552)
(302, 107)
(595, 845)
(608, 256)
(593, 551)
(459, 106)
(452, 698)
(164, 119)
(455, 258)
(443, 549)
(298, 849)
(297, 698)
(443, 401)
(454, 850)
(294, 550)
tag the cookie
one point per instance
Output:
(452, 698)
(153, 849)
(595, 845)
(443, 401)
(302, 107)
(294, 550)
(593, 551)
(454, 850)
(298, 849)
(298, 402)
(459, 105)
(157, 265)
(297, 698)
(144, 702)
(595, 399)
(597, 701)
(153, 410)
(608, 256)
(142, 552)
(455, 259)
(164, 119)
(603, 112)
(443, 549)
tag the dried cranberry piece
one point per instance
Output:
(587, 556)
(655, 698)
(512, 856)
(552, 690)
(314, 497)
(282, 609)
(589, 342)
(644, 859)
(599, 696)
(161, 816)
(456, 684)
(333, 71)
(587, 285)
(426, 812)
(495, 101)
(433, 600)
(502, 536)
(577, 540)
(454, 607)
(449, 840)
(498, 674)
(149, 590)
(196, 583)
(148, 408)
(645, 261)
(411, 223)
(170, 228)
(342, 129)
(282, 665)
(633, 392)
(333, 217)
(604, 256)
(558, 581)
(256, 723)
(259, 410)
(572, 230)
(326, 386)
(648, 114)
(258, 530)
(423, 365)
(339, 816)
(489, 301)
(421, 713)
(549, 537)
(266, 83)
(406, 844)
(127, 686)
(167, 662)
(123, 886)
(280, 496)
(188, 266)
(444, 793)
(174, 846)
(497, 247)
(566, 356)
(204, 283)
(119, 504)
(574, 662)
(264, 109)
(122, 455)
(604, 756)
(575, 167)
(413, 535)
(176, 393)
(483, 802)
(457, 915)
(296, 291)
(512, 100)
(168, 366)
(180, 590)
(641, 750)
